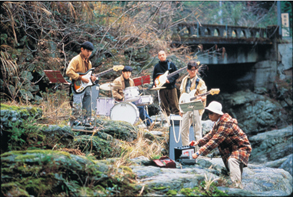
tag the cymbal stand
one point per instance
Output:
(146, 106)
(160, 112)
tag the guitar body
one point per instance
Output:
(79, 86)
(185, 97)
(161, 79)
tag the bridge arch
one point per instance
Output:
(234, 33)
(217, 32)
(207, 32)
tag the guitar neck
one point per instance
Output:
(204, 94)
(177, 71)
(103, 73)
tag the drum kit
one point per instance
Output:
(126, 110)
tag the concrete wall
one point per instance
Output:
(285, 58)
(265, 74)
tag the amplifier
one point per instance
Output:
(184, 150)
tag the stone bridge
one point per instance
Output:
(244, 57)
(232, 44)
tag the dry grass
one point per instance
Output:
(56, 107)
(209, 181)
(139, 147)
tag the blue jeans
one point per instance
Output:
(144, 115)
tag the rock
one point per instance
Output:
(118, 129)
(289, 101)
(140, 160)
(58, 134)
(277, 163)
(260, 90)
(257, 180)
(207, 126)
(49, 173)
(157, 133)
(266, 179)
(258, 116)
(287, 165)
(271, 145)
(100, 148)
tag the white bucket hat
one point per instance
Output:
(215, 107)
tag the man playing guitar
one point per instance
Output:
(81, 64)
(194, 85)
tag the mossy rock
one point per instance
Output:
(97, 146)
(118, 129)
(25, 135)
(13, 113)
(55, 173)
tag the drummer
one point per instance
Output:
(125, 81)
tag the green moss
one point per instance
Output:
(186, 191)
(171, 193)
(126, 168)
(21, 109)
(13, 188)
(39, 185)
(24, 157)
(20, 153)
(159, 188)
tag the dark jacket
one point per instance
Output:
(161, 68)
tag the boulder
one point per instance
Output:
(57, 173)
(257, 180)
(255, 113)
(118, 129)
(271, 145)
(96, 146)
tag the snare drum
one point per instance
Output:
(131, 94)
(125, 111)
(144, 100)
(104, 105)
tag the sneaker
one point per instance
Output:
(151, 126)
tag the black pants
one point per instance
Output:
(169, 101)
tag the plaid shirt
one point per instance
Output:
(229, 138)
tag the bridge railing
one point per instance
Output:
(226, 31)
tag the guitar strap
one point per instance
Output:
(169, 65)
(196, 83)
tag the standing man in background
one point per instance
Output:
(193, 83)
(168, 96)
(81, 64)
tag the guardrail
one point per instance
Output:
(225, 31)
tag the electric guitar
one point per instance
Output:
(161, 79)
(188, 97)
(79, 86)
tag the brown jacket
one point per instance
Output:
(201, 88)
(75, 66)
(118, 92)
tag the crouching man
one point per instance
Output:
(231, 141)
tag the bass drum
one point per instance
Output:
(125, 111)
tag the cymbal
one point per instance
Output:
(158, 88)
(109, 86)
